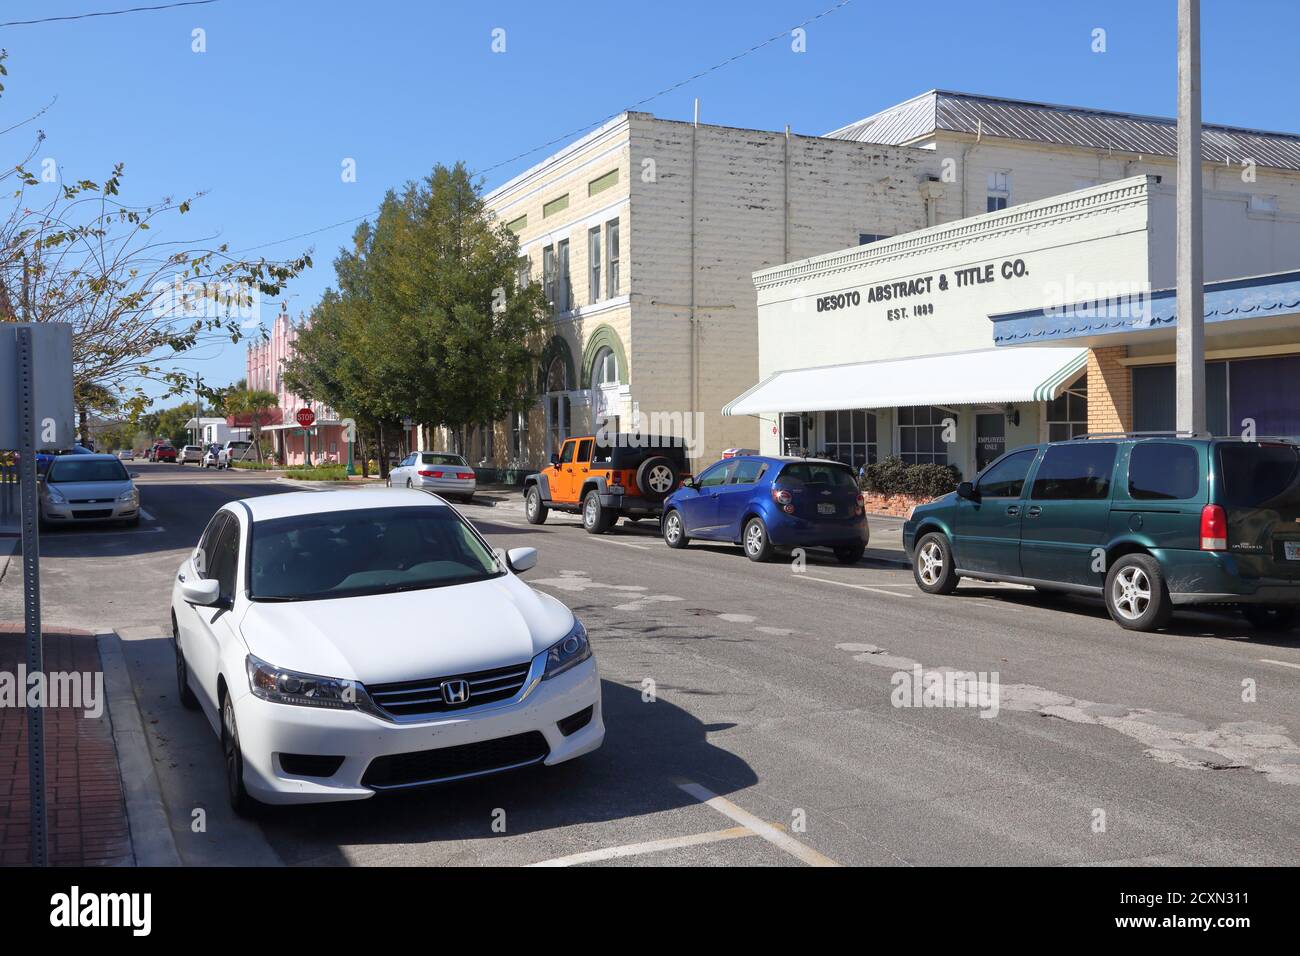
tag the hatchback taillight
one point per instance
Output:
(784, 499)
(1214, 528)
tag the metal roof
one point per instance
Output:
(1066, 126)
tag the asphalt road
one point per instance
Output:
(752, 718)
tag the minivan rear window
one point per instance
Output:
(1163, 471)
(1259, 476)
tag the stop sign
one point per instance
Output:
(306, 417)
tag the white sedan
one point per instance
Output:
(344, 644)
(437, 471)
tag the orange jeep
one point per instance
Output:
(630, 476)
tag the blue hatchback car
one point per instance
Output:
(764, 503)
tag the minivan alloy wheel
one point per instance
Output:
(931, 563)
(1131, 592)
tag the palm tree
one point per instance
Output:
(253, 402)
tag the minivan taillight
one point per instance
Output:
(1214, 528)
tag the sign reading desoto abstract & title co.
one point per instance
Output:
(922, 287)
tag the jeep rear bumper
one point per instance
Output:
(628, 504)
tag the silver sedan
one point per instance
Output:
(437, 471)
(79, 488)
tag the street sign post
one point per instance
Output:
(38, 414)
(306, 418)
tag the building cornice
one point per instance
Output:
(1073, 205)
(615, 127)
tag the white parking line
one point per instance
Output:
(1265, 660)
(652, 846)
(625, 544)
(762, 828)
(858, 587)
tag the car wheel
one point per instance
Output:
(534, 510)
(596, 518)
(656, 477)
(675, 530)
(850, 555)
(1136, 595)
(187, 698)
(932, 567)
(1270, 617)
(467, 499)
(758, 546)
(408, 482)
(240, 801)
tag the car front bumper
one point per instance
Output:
(68, 513)
(267, 730)
(1214, 577)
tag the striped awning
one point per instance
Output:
(984, 377)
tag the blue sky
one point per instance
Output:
(290, 88)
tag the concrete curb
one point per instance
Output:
(151, 833)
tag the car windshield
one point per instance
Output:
(365, 551)
(1259, 476)
(439, 459)
(73, 468)
(817, 473)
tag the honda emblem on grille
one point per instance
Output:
(455, 691)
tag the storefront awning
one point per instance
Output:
(984, 377)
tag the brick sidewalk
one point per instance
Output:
(86, 820)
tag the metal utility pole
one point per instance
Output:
(1190, 391)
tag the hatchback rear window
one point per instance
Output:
(1259, 476)
(817, 473)
(1163, 471)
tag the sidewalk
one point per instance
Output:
(86, 809)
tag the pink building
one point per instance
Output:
(324, 441)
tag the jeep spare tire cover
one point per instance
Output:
(656, 477)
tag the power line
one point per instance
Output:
(107, 13)
(572, 133)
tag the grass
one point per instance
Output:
(255, 466)
(328, 473)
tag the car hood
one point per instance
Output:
(80, 490)
(409, 635)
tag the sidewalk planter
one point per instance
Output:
(891, 486)
(899, 506)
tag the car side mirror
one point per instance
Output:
(555, 458)
(521, 559)
(133, 475)
(203, 592)
(967, 490)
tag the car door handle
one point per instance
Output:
(1013, 510)
(1034, 511)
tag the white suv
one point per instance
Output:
(233, 451)
(302, 629)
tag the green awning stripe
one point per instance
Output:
(1047, 391)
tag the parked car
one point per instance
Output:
(448, 475)
(88, 487)
(190, 453)
(1147, 523)
(765, 503)
(233, 451)
(125, 454)
(211, 455)
(45, 458)
(162, 451)
(285, 589)
(624, 475)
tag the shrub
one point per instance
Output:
(331, 473)
(893, 476)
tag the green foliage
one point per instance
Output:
(328, 473)
(893, 476)
(428, 319)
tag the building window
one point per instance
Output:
(518, 225)
(557, 403)
(601, 183)
(604, 369)
(519, 435)
(850, 437)
(999, 189)
(563, 287)
(866, 238)
(920, 434)
(548, 274)
(1067, 416)
(555, 205)
(485, 443)
(523, 272)
(611, 253)
(593, 264)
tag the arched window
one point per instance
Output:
(604, 369)
(557, 403)
(557, 379)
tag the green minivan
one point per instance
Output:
(1146, 522)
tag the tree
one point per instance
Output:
(135, 303)
(254, 403)
(429, 318)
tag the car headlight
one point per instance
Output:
(55, 495)
(129, 497)
(569, 652)
(282, 686)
